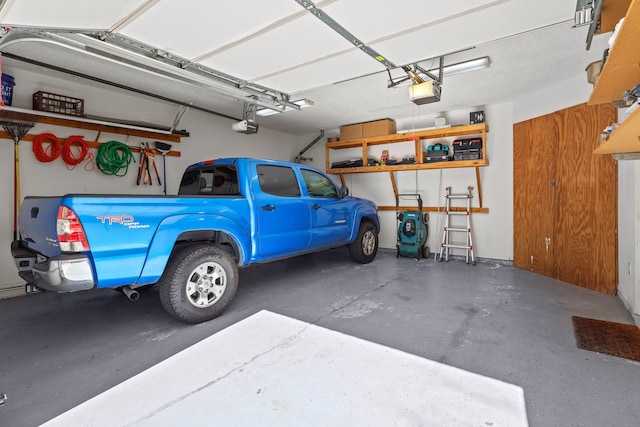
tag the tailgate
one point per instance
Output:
(37, 224)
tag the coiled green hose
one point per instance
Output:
(113, 157)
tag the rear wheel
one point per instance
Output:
(365, 247)
(198, 283)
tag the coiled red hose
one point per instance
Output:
(68, 154)
(50, 153)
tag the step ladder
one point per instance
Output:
(447, 244)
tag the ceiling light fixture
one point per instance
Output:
(301, 103)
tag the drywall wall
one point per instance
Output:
(492, 232)
(553, 97)
(628, 220)
(210, 137)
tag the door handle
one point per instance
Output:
(269, 208)
(315, 206)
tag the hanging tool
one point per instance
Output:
(163, 148)
(143, 170)
(151, 160)
(141, 164)
(16, 128)
(147, 172)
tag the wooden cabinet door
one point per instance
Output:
(586, 218)
(565, 198)
(534, 173)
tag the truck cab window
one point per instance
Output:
(212, 180)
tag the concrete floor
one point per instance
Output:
(57, 351)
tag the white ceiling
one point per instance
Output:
(279, 45)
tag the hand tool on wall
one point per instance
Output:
(151, 159)
(143, 170)
(163, 148)
(147, 172)
(16, 128)
(141, 164)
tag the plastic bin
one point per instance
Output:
(62, 104)
(8, 82)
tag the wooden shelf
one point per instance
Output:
(610, 14)
(415, 138)
(625, 139)
(622, 69)
(91, 144)
(411, 136)
(620, 73)
(96, 125)
(430, 209)
(413, 166)
(89, 124)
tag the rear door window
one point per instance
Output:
(278, 181)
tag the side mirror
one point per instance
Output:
(344, 191)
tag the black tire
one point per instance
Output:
(198, 283)
(364, 249)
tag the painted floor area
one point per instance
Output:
(272, 370)
(59, 350)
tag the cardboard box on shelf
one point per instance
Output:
(348, 132)
(378, 128)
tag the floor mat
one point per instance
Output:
(616, 339)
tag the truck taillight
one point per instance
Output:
(70, 232)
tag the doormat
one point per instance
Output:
(602, 336)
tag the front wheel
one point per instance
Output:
(365, 247)
(198, 283)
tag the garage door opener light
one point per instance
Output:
(301, 103)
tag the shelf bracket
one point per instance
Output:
(479, 185)
(392, 175)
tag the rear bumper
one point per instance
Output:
(62, 273)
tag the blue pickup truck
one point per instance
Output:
(228, 213)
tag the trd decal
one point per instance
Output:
(115, 219)
(125, 220)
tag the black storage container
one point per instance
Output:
(467, 144)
